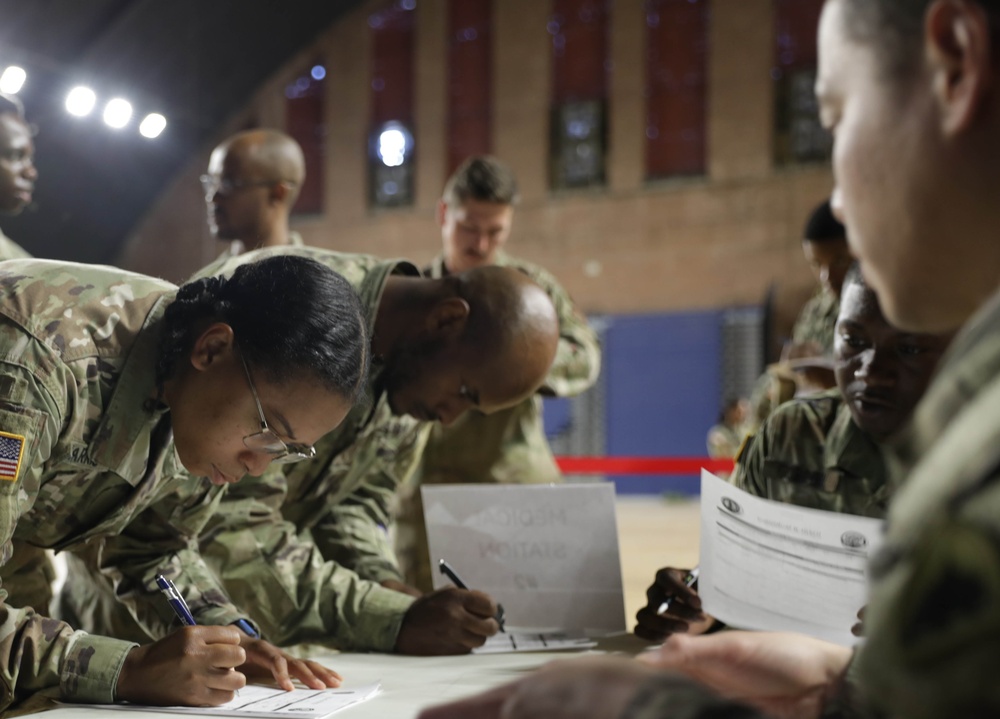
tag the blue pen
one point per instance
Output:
(177, 602)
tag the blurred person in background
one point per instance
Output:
(251, 185)
(17, 168)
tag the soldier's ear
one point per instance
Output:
(214, 343)
(447, 318)
(279, 192)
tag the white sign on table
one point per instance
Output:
(548, 553)
(772, 566)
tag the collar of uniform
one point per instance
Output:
(370, 291)
(130, 412)
(850, 450)
(295, 239)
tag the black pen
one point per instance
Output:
(689, 579)
(457, 581)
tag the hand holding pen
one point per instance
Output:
(260, 660)
(446, 570)
(673, 606)
(453, 620)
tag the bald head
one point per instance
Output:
(253, 180)
(480, 340)
(513, 323)
(271, 154)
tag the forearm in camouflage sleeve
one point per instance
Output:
(354, 532)
(349, 537)
(164, 540)
(284, 584)
(673, 697)
(37, 652)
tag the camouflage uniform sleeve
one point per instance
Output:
(578, 358)
(37, 652)
(284, 582)
(748, 473)
(933, 621)
(163, 539)
(354, 531)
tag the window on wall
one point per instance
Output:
(390, 140)
(580, 63)
(799, 135)
(304, 122)
(676, 74)
(470, 96)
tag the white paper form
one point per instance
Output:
(268, 703)
(547, 553)
(523, 641)
(777, 567)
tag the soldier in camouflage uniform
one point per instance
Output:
(475, 213)
(116, 392)
(823, 452)
(252, 183)
(908, 85)
(17, 169)
(307, 547)
(824, 244)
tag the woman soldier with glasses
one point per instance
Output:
(120, 395)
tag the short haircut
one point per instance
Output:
(10, 104)
(822, 226)
(895, 28)
(484, 179)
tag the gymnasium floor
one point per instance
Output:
(653, 532)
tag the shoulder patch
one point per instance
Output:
(11, 452)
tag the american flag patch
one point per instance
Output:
(11, 449)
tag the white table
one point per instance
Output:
(409, 684)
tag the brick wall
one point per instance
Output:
(685, 244)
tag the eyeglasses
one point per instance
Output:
(212, 185)
(267, 441)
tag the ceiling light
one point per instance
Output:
(80, 101)
(117, 113)
(152, 125)
(12, 79)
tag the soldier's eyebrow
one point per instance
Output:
(286, 428)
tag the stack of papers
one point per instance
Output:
(268, 702)
(523, 641)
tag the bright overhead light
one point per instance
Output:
(152, 125)
(12, 79)
(394, 144)
(117, 113)
(80, 101)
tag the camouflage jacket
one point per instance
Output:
(723, 441)
(817, 321)
(10, 250)
(508, 446)
(86, 452)
(305, 545)
(809, 452)
(934, 616)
